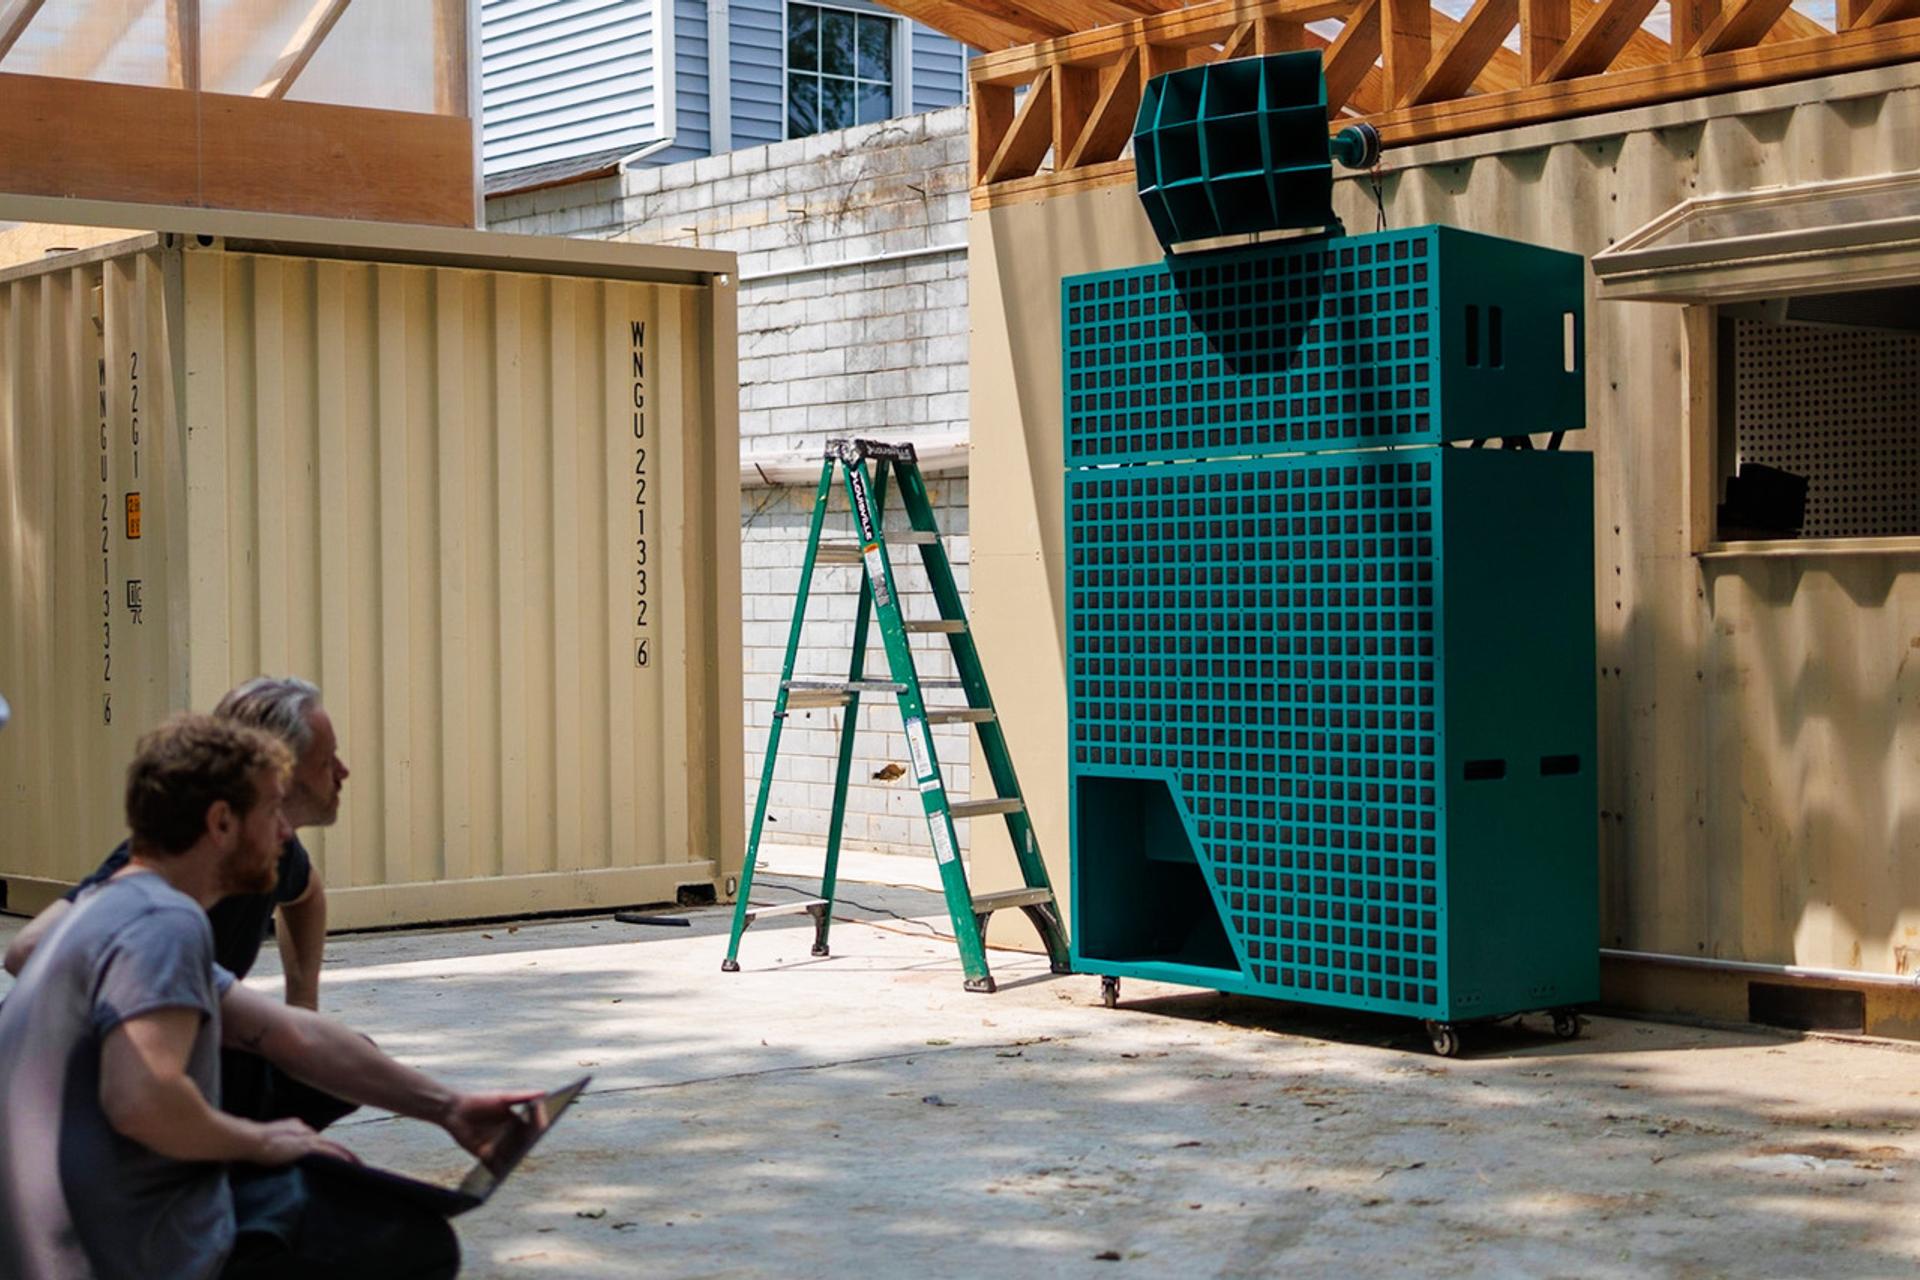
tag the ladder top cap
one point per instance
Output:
(853, 450)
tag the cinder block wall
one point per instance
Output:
(853, 319)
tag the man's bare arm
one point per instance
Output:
(149, 1098)
(35, 932)
(302, 935)
(332, 1057)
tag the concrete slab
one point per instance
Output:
(861, 1115)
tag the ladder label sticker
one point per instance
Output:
(877, 573)
(942, 837)
(921, 749)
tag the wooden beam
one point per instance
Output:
(183, 44)
(1241, 43)
(1887, 11)
(1025, 144)
(992, 111)
(70, 138)
(1351, 54)
(1689, 19)
(305, 42)
(1075, 91)
(1277, 35)
(13, 23)
(1739, 27)
(1406, 45)
(1794, 25)
(1544, 27)
(1598, 39)
(1110, 123)
(968, 26)
(1032, 17)
(1201, 24)
(1467, 51)
(1847, 14)
(451, 70)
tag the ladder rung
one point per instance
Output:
(837, 553)
(1004, 898)
(981, 808)
(917, 537)
(944, 682)
(961, 715)
(943, 626)
(807, 906)
(814, 699)
(841, 686)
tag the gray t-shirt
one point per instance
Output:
(77, 1199)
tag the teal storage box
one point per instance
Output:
(1415, 336)
(1332, 727)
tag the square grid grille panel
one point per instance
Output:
(1327, 344)
(1264, 631)
(1842, 408)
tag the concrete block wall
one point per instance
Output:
(853, 320)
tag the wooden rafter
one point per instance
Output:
(1110, 121)
(966, 25)
(1544, 27)
(183, 44)
(1598, 39)
(1027, 141)
(1038, 18)
(1887, 11)
(305, 42)
(1406, 45)
(1690, 18)
(1794, 25)
(1200, 26)
(1643, 48)
(1468, 51)
(1351, 54)
(13, 23)
(1739, 27)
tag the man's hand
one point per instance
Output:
(284, 1141)
(478, 1120)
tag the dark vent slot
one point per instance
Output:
(1495, 347)
(1473, 335)
(1486, 770)
(1775, 1004)
(1554, 766)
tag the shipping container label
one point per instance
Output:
(877, 574)
(942, 837)
(643, 624)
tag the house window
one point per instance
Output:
(839, 69)
(1819, 421)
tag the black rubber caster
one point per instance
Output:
(1445, 1038)
(1567, 1024)
(1110, 992)
(729, 965)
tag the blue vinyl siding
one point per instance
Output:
(564, 78)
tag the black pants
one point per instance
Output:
(293, 1227)
(254, 1089)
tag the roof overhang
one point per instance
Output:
(1859, 233)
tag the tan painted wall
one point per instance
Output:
(1759, 718)
(417, 486)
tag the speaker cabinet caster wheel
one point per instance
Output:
(1110, 992)
(1445, 1038)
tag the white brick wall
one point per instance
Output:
(878, 348)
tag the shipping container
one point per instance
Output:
(482, 489)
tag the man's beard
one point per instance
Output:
(246, 871)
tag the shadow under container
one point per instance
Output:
(481, 489)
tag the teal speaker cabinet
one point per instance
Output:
(1330, 627)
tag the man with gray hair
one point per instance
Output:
(288, 708)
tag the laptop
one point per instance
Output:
(534, 1119)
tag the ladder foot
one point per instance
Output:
(985, 986)
(1060, 966)
(820, 948)
(729, 965)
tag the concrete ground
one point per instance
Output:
(862, 1115)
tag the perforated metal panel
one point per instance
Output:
(1263, 633)
(1840, 407)
(1404, 337)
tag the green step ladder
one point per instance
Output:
(879, 594)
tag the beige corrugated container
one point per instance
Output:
(482, 489)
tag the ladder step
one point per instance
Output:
(982, 808)
(917, 537)
(1004, 898)
(837, 553)
(961, 715)
(806, 906)
(814, 699)
(841, 686)
(943, 626)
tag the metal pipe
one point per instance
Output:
(896, 255)
(1910, 982)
